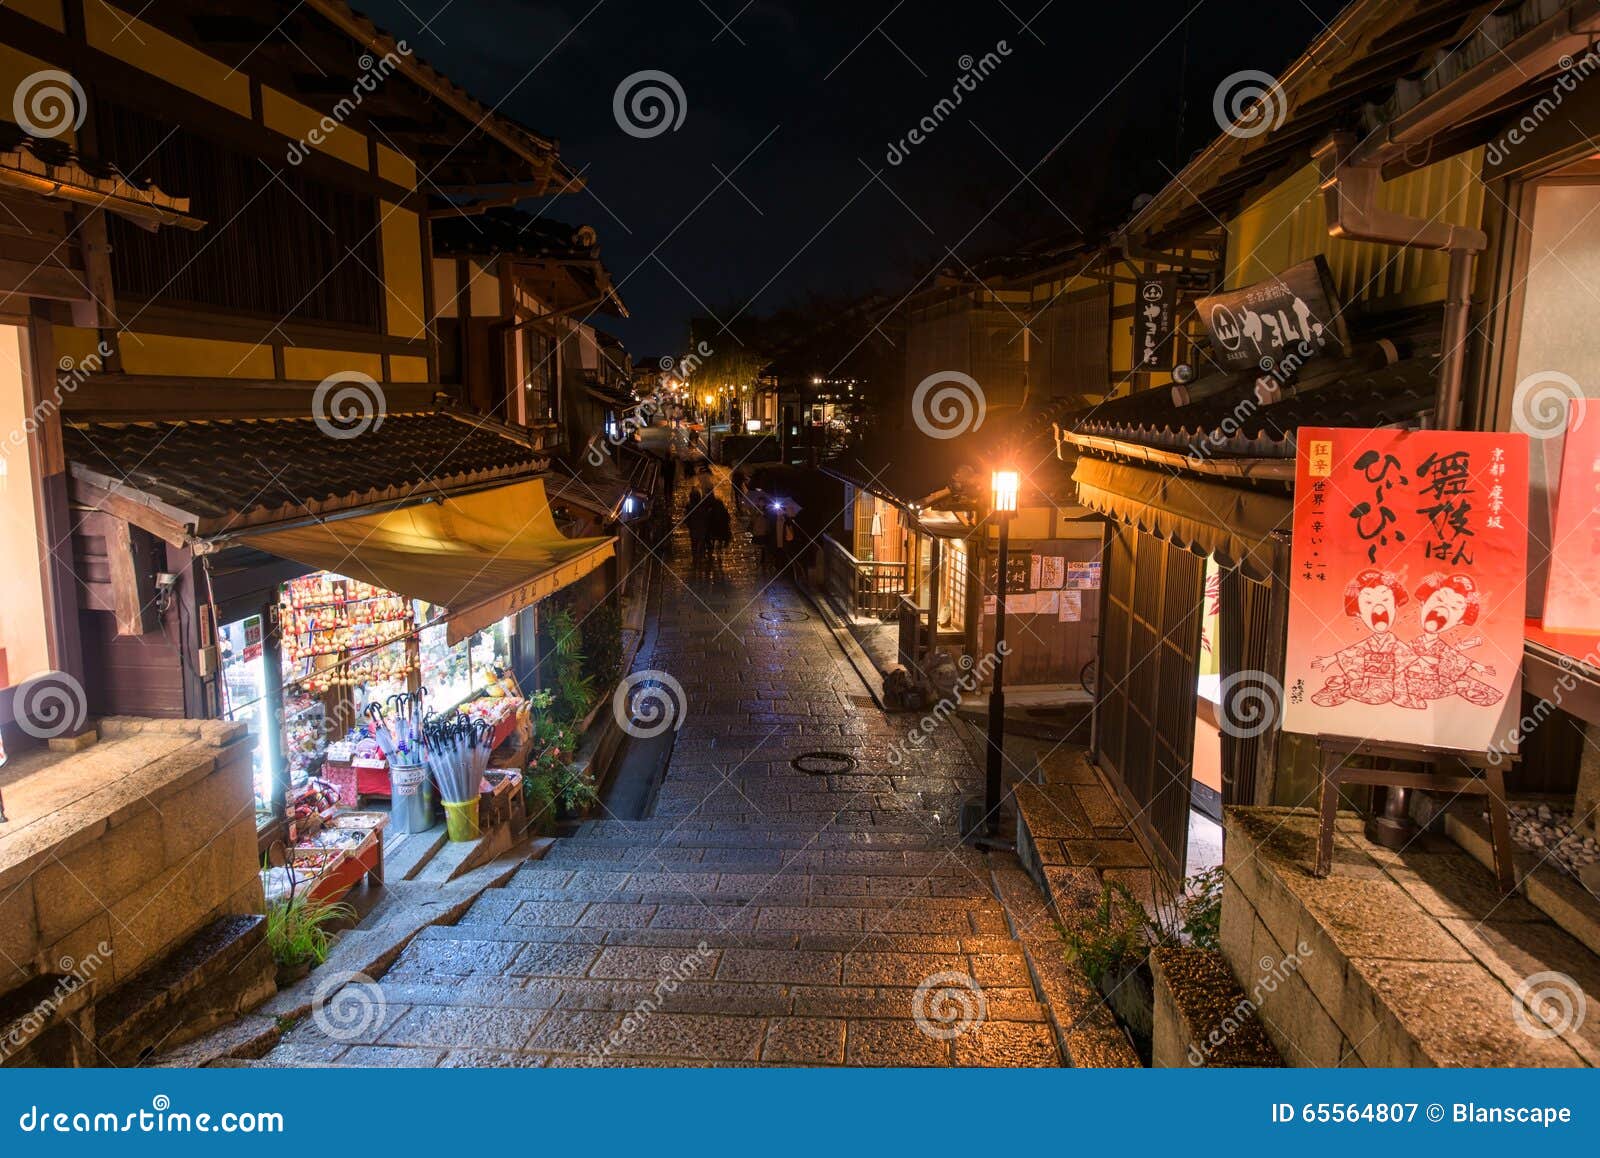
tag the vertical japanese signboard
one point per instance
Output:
(1406, 593)
(1572, 591)
(1154, 320)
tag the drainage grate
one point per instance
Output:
(824, 763)
(784, 615)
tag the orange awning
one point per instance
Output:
(483, 556)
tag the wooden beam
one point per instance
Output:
(131, 554)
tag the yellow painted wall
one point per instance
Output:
(407, 369)
(144, 46)
(15, 68)
(444, 287)
(1288, 225)
(1121, 340)
(291, 118)
(44, 11)
(196, 357)
(305, 363)
(74, 342)
(392, 166)
(402, 271)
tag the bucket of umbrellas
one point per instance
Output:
(453, 749)
(457, 751)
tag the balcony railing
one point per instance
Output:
(866, 587)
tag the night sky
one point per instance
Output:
(797, 104)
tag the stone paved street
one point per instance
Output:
(761, 915)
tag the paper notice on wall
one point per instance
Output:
(1047, 603)
(1052, 572)
(1083, 576)
(1033, 571)
(1071, 607)
(989, 604)
(1025, 604)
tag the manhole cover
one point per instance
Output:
(784, 615)
(824, 763)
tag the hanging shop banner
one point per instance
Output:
(1280, 323)
(1572, 590)
(1406, 591)
(1154, 320)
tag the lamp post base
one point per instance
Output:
(975, 828)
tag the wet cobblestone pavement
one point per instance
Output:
(760, 915)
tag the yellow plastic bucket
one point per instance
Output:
(461, 819)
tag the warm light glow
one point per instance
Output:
(710, 398)
(1005, 484)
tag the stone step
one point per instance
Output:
(739, 836)
(1008, 1003)
(735, 962)
(886, 890)
(737, 894)
(786, 861)
(776, 825)
(987, 943)
(732, 919)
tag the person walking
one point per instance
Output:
(719, 526)
(761, 535)
(694, 518)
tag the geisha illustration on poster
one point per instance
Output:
(1406, 595)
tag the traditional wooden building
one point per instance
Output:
(217, 293)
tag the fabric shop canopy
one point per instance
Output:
(483, 555)
(1209, 518)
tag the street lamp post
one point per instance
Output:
(1004, 506)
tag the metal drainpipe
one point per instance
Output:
(1350, 184)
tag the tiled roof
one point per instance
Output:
(225, 475)
(1237, 421)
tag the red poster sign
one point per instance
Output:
(1572, 591)
(1406, 597)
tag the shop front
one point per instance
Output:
(296, 616)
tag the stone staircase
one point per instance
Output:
(697, 941)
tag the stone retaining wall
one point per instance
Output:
(1366, 967)
(155, 838)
